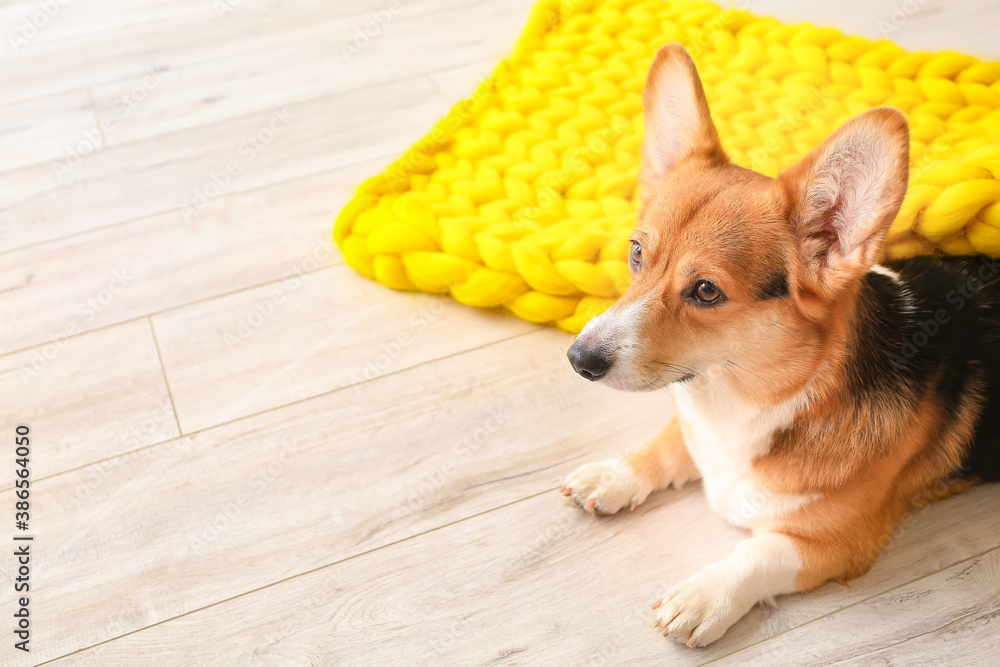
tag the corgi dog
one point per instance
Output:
(818, 394)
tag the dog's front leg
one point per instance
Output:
(608, 486)
(700, 609)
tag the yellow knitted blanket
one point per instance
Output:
(524, 195)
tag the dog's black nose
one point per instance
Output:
(588, 362)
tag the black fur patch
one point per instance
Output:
(775, 287)
(938, 332)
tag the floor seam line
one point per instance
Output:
(166, 381)
(196, 302)
(306, 573)
(849, 606)
(280, 407)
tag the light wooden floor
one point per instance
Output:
(245, 453)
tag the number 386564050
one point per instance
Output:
(23, 443)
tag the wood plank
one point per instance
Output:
(34, 23)
(533, 583)
(181, 171)
(947, 618)
(458, 83)
(223, 88)
(305, 336)
(971, 641)
(55, 61)
(41, 129)
(206, 92)
(967, 26)
(87, 398)
(205, 517)
(125, 53)
(238, 241)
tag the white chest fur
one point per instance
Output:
(724, 435)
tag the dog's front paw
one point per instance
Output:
(701, 608)
(605, 487)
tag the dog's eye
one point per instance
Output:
(635, 255)
(706, 291)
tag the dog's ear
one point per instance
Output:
(677, 121)
(844, 196)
